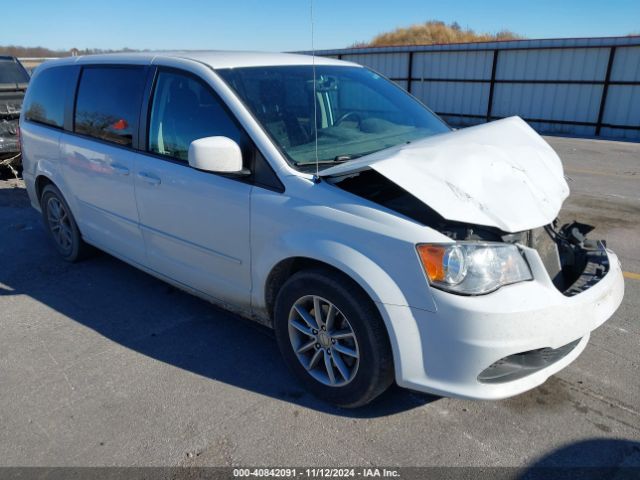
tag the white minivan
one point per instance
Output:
(319, 198)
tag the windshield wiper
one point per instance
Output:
(347, 157)
(335, 161)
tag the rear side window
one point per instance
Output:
(185, 110)
(108, 103)
(12, 72)
(46, 95)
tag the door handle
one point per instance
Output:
(149, 178)
(119, 169)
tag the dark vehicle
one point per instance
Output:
(14, 79)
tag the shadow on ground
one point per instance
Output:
(146, 315)
(592, 459)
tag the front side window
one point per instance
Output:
(184, 110)
(108, 103)
(355, 111)
(46, 96)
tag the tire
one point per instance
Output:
(61, 226)
(362, 377)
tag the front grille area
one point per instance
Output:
(547, 248)
(522, 364)
(573, 263)
(596, 267)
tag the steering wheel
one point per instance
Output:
(347, 116)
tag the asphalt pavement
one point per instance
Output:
(101, 364)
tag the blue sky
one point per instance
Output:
(281, 25)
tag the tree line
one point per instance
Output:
(38, 52)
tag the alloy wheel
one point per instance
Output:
(60, 224)
(324, 341)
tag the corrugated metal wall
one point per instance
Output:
(587, 86)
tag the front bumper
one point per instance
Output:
(444, 352)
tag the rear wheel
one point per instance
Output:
(61, 225)
(332, 338)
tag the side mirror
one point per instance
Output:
(215, 154)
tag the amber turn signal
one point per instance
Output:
(432, 260)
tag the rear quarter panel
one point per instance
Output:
(40, 157)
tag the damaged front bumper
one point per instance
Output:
(501, 344)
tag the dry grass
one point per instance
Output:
(435, 31)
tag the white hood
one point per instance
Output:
(501, 174)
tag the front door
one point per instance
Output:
(195, 224)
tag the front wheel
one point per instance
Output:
(332, 338)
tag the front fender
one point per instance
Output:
(374, 280)
(349, 261)
(365, 271)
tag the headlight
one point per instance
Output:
(473, 268)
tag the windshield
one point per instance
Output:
(12, 72)
(357, 111)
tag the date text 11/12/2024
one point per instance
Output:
(316, 472)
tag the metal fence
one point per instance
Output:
(586, 86)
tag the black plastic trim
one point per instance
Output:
(520, 365)
(71, 93)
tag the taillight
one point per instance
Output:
(19, 139)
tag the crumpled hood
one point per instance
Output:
(501, 174)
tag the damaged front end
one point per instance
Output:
(517, 292)
(9, 139)
(497, 183)
(573, 262)
(10, 106)
(13, 85)
(10, 155)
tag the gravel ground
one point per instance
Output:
(101, 364)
